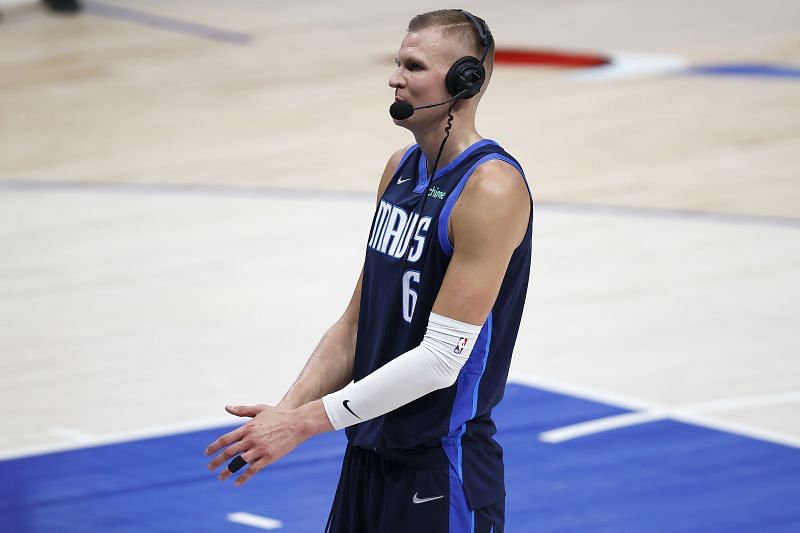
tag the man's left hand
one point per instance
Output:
(272, 433)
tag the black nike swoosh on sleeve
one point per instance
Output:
(351, 411)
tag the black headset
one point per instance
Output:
(464, 80)
(467, 75)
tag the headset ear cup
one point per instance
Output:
(466, 74)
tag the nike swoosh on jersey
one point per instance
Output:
(401, 180)
(351, 411)
(417, 499)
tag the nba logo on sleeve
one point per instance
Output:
(462, 343)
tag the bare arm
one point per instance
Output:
(275, 431)
(488, 222)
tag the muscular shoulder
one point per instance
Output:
(496, 181)
(494, 201)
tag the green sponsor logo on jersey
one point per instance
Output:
(439, 194)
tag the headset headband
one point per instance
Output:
(484, 34)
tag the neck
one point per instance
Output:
(462, 135)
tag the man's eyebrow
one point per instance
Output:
(409, 58)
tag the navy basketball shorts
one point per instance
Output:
(379, 495)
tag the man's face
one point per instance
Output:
(422, 64)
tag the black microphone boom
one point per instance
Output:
(402, 110)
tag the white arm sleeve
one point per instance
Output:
(434, 364)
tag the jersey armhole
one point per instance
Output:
(447, 210)
(403, 160)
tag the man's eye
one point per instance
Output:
(414, 66)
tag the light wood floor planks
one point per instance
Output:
(156, 264)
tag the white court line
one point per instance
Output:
(88, 441)
(650, 412)
(699, 419)
(600, 425)
(690, 414)
(254, 520)
(727, 404)
(631, 65)
(578, 391)
(75, 435)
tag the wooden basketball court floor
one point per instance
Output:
(186, 187)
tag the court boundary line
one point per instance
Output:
(232, 191)
(170, 24)
(246, 191)
(641, 412)
(74, 435)
(92, 441)
(254, 520)
(645, 412)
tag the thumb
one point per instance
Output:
(243, 410)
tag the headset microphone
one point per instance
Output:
(403, 110)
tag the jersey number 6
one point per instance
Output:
(409, 294)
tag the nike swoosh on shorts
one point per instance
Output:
(417, 499)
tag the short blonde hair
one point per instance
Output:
(455, 23)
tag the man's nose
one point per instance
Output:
(397, 80)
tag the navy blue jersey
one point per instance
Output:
(408, 252)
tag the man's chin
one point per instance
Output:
(403, 123)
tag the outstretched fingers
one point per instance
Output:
(252, 470)
(246, 457)
(228, 453)
(225, 440)
(260, 442)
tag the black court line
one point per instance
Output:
(360, 196)
(167, 23)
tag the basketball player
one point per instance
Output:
(426, 339)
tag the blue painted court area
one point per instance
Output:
(748, 70)
(660, 476)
